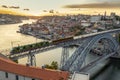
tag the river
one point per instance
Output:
(10, 38)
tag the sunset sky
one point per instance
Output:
(39, 7)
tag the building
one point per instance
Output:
(85, 23)
(112, 14)
(95, 19)
(10, 70)
(80, 76)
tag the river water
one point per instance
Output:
(111, 72)
(10, 38)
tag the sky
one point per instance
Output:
(38, 7)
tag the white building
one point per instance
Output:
(95, 19)
(85, 23)
(13, 71)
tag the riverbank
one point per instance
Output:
(10, 38)
(110, 71)
(100, 72)
(10, 23)
(11, 19)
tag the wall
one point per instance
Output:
(12, 76)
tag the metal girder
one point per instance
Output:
(64, 56)
(74, 41)
(75, 62)
(31, 59)
(75, 55)
(95, 62)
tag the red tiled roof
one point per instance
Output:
(32, 72)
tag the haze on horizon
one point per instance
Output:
(40, 7)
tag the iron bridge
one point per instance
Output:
(103, 44)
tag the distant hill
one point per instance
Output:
(11, 19)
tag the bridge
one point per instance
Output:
(104, 44)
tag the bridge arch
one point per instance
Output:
(75, 62)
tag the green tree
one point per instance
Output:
(53, 65)
(16, 49)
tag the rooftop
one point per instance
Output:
(32, 72)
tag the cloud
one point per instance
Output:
(26, 9)
(14, 7)
(44, 10)
(51, 11)
(94, 5)
(4, 6)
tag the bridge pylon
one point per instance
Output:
(64, 55)
(31, 59)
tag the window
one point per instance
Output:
(17, 77)
(6, 74)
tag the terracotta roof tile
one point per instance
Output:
(33, 72)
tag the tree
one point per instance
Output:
(16, 49)
(117, 18)
(54, 65)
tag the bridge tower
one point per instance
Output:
(31, 59)
(64, 55)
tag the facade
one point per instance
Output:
(85, 23)
(95, 19)
(13, 71)
(10, 76)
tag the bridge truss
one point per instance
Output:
(103, 45)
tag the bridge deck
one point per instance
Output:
(94, 63)
(76, 40)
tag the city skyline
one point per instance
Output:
(41, 7)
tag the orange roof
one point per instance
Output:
(32, 72)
